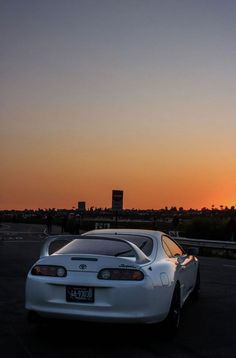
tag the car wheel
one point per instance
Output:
(173, 319)
(196, 290)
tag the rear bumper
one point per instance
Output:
(126, 302)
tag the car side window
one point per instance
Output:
(166, 248)
(171, 248)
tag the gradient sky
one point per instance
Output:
(138, 95)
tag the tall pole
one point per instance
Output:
(116, 219)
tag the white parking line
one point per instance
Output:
(231, 266)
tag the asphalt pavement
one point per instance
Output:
(207, 327)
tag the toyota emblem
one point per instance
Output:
(83, 267)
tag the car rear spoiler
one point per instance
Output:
(44, 251)
(140, 256)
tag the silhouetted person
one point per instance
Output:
(49, 221)
(154, 223)
(77, 224)
(64, 223)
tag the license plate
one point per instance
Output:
(79, 294)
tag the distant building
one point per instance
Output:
(81, 205)
(117, 200)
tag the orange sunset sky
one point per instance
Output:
(132, 95)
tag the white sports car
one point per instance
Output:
(113, 275)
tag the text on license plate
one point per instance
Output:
(79, 294)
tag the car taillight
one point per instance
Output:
(120, 274)
(48, 270)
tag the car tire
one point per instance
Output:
(196, 291)
(173, 319)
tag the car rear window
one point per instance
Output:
(104, 246)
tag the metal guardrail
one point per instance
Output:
(227, 245)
